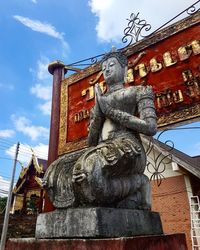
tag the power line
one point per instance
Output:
(25, 153)
(7, 141)
(5, 158)
(24, 147)
(3, 191)
(5, 176)
(4, 147)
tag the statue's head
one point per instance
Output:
(121, 58)
(114, 67)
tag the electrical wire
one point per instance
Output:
(24, 147)
(3, 191)
(5, 158)
(7, 141)
(5, 176)
(24, 150)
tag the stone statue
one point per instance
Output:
(110, 173)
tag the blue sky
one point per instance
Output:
(36, 32)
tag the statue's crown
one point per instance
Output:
(122, 59)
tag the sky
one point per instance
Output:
(36, 32)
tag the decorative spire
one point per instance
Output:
(122, 59)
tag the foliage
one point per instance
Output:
(3, 201)
(31, 205)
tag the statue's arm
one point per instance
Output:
(146, 122)
(96, 122)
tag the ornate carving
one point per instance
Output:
(193, 8)
(134, 29)
(178, 116)
(63, 118)
(157, 165)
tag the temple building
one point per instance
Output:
(28, 194)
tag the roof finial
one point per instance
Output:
(113, 49)
(32, 151)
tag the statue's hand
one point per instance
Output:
(97, 109)
(101, 99)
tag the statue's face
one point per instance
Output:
(112, 70)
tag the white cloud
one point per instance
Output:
(23, 125)
(26, 151)
(41, 150)
(112, 15)
(38, 26)
(105, 11)
(42, 92)
(44, 28)
(34, 1)
(42, 68)
(4, 187)
(46, 108)
(7, 133)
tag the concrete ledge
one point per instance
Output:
(162, 242)
(97, 223)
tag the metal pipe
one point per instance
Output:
(8, 204)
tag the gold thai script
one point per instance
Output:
(169, 59)
(82, 115)
(141, 69)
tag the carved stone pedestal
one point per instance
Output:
(97, 223)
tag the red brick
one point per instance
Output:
(170, 199)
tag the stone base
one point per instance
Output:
(163, 242)
(97, 223)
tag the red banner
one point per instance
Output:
(170, 63)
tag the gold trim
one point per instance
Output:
(39, 181)
(73, 146)
(63, 146)
(35, 191)
(36, 165)
(16, 189)
(83, 74)
(23, 172)
(55, 64)
(63, 117)
(179, 116)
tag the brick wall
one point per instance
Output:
(20, 226)
(170, 199)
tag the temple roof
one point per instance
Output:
(42, 163)
(33, 172)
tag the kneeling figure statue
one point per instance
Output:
(110, 172)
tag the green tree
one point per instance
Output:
(3, 201)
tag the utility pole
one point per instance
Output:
(8, 204)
